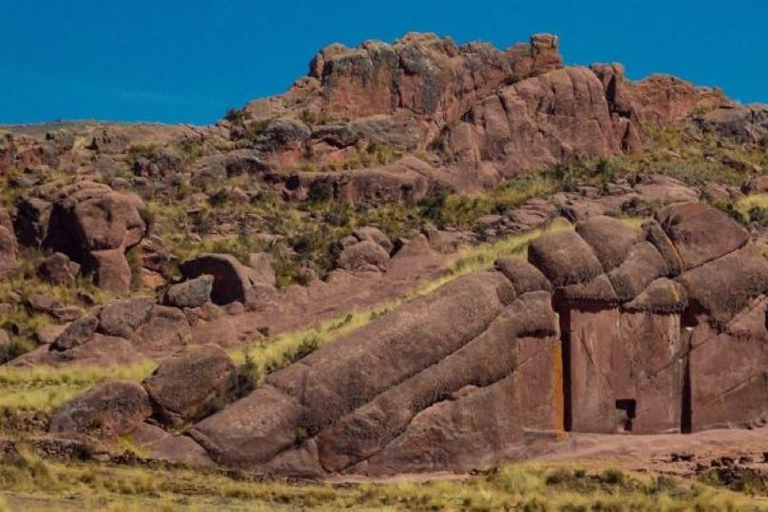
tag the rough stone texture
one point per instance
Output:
(664, 98)
(690, 227)
(362, 256)
(661, 296)
(725, 286)
(529, 125)
(108, 410)
(123, 317)
(374, 234)
(484, 425)
(420, 73)
(564, 258)
(729, 371)
(166, 330)
(31, 221)
(610, 239)
(77, 333)
(191, 384)
(642, 265)
(190, 294)
(656, 236)
(261, 263)
(468, 375)
(745, 123)
(406, 180)
(524, 276)
(95, 225)
(110, 270)
(598, 290)
(59, 269)
(337, 379)
(181, 450)
(623, 356)
(483, 361)
(231, 279)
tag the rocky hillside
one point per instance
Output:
(363, 188)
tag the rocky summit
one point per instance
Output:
(423, 257)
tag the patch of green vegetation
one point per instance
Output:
(752, 208)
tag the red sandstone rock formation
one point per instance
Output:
(607, 329)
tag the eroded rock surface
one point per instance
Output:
(599, 333)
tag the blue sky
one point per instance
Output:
(188, 61)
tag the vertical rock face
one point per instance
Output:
(625, 372)
(641, 347)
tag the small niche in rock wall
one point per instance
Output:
(625, 414)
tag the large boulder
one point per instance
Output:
(422, 74)
(373, 234)
(564, 258)
(77, 333)
(107, 411)
(406, 180)
(261, 263)
(193, 383)
(123, 317)
(500, 351)
(231, 279)
(745, 123)
(663, 296)
(362, 256)
(641, 267)
(190, 294)
(725, 286)
(95, 225)
(691, 226)
(610, 238)
(59, 269)
(111, 270)
(31, 221)
(524, 276)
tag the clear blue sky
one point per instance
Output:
(188, 61)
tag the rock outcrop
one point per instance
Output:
(107, 411)
(191, 384)
(91, 224)
(231, 279)
(608, 328)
